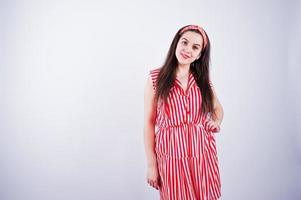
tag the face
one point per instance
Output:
(189, 47)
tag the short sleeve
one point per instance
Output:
(154, 73)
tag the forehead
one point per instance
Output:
(192, 37)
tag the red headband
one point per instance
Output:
(198, 28)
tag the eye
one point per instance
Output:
(184, 42)
(195, 48)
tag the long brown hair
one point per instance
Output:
(199, 69)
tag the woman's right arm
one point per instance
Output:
(149, 133)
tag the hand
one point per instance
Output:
(153, 177)
(211, 125)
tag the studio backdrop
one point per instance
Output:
(72, 77)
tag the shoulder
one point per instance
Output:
(153, 75)
(154, 72)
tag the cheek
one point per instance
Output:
(196, 54)
(178, 47)
(178, 50)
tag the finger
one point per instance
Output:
(213, 128)
(214, 125)
(209, 125)
(156, 184)
(151, 183)
(217, 129)
(156, 187)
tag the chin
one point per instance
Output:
(184, 62)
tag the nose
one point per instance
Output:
(188, 49)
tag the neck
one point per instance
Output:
(183, 69)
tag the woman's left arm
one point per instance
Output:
(218, 113)
(213, 123)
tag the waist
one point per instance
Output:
(180, 125)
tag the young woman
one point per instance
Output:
(181, 116)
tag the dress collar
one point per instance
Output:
(191, 82)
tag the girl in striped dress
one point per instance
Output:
(181, 116)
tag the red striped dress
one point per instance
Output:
(186, 152)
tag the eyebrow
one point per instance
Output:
(187, 40)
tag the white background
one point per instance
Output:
(72, 75)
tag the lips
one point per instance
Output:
(185, 56)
